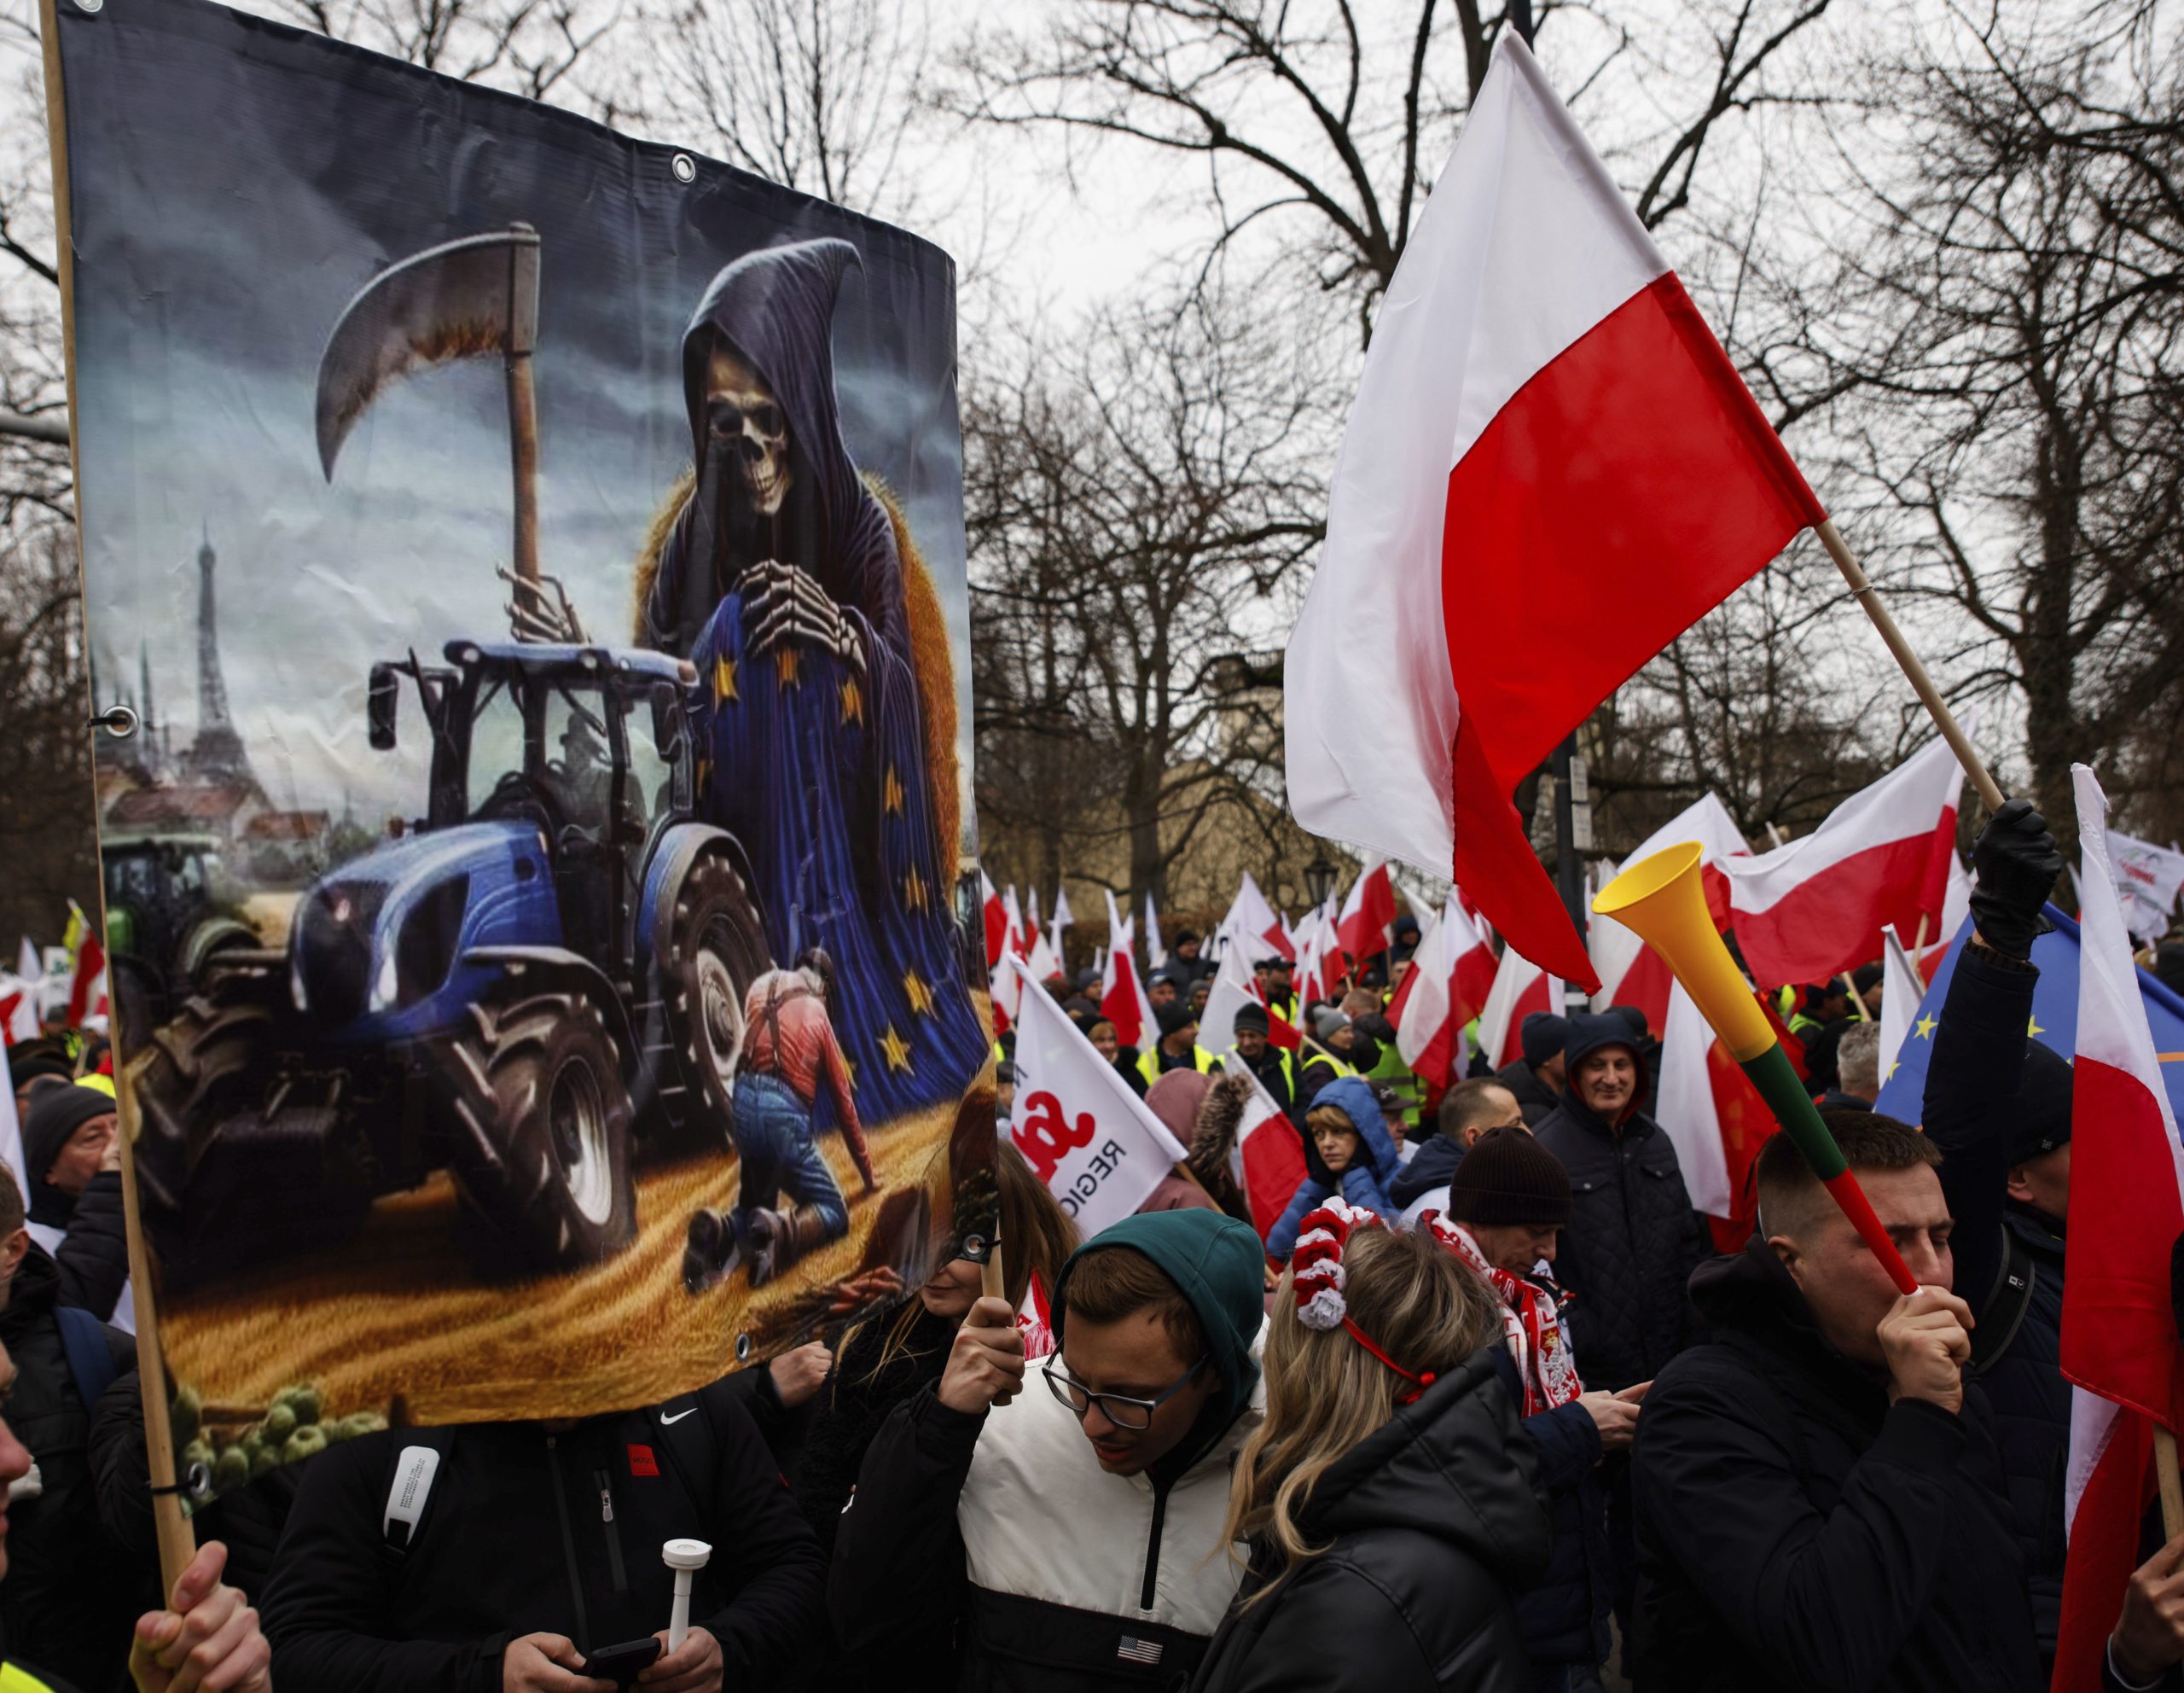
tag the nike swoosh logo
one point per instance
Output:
(665, 1419)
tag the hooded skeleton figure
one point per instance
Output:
(781, 578)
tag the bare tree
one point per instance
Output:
(1129, 506)
(541, 49)
(2029, 432)
(815, 94)
(1308, 120)
(47, 839)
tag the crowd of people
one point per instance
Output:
(1484, 1409)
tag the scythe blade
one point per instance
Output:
(465, 299)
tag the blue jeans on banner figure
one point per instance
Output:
(789, 1203)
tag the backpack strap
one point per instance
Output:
(409, 1488)
(90, 1360)
(2003, 1313)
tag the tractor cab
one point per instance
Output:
(589, 744)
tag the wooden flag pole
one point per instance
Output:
(992, 1284)
(1921, 683)
(2172, 1489)
(177, 1542)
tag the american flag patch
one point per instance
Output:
(1136, 1651)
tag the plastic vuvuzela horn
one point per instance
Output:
(1662, 900)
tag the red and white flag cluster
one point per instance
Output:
(1451, 977)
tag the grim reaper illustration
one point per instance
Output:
(827, 732)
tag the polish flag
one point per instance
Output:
(1041, 961)
(87, 987)
(1715, 1118)
(1123, 999)
(1543, 422)
(1810, 910)
(17, 1011)
(1094, 1143)
(1320, 965)
(1235, 986)
(1521, 988)
(2120, 1346)
(1062, 917)
(1156, 955)
(1369, 913)
(1452, 976)
(1256, 926)
(1902, 988)
(1631, 973)
(1268, 1160)
(997, 919)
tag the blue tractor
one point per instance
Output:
(542, 976)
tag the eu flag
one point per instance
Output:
(2055, 1019)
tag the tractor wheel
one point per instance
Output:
(137, 1005)
(542, 1138)
(197, 1071)
(209, 1152)
(715, 948)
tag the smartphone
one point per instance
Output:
(621, 1664)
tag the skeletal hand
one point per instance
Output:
(782, 603)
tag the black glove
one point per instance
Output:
(2016, 862)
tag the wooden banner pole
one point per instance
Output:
(1921, 683)
(177, 1542)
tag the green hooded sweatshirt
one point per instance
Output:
(1217, 1262)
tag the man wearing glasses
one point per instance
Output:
(1067, 1531)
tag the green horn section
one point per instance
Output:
(1794, 1109)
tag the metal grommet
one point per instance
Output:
(118, 721)
(90, 5)
(685, 167)
(743, 1348)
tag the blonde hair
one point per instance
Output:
(1325, 1393)
(1330, 1117)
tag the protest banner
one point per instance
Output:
(560, 539)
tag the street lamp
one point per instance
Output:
(1319, 880)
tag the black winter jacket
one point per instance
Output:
(1971, 1081)
(1535, 1098)
(524, 1531)
(1796, 1531)
(93, 1256)
(1630, 1245)
(1431, 1518)
(1429, 1168)
(855, 1401)
(72, 1596)
(1562, 1617)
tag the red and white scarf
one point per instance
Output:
(1538, 1339)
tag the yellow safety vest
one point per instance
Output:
(14, 1679)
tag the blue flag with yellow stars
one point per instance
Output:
(2055, 1019)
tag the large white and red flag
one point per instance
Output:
(1094, 1143)
(1631, 973)
(1122, 998)
(1255, 926)
(2120, 1346)
(1267, 1161)
(1814, 907)
(1450, 979)
(1544, 423)
(1521, 988)
(1369, 915)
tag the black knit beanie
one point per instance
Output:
(1508, 1177)
(1542, 1033)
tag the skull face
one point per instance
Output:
(742, 413)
